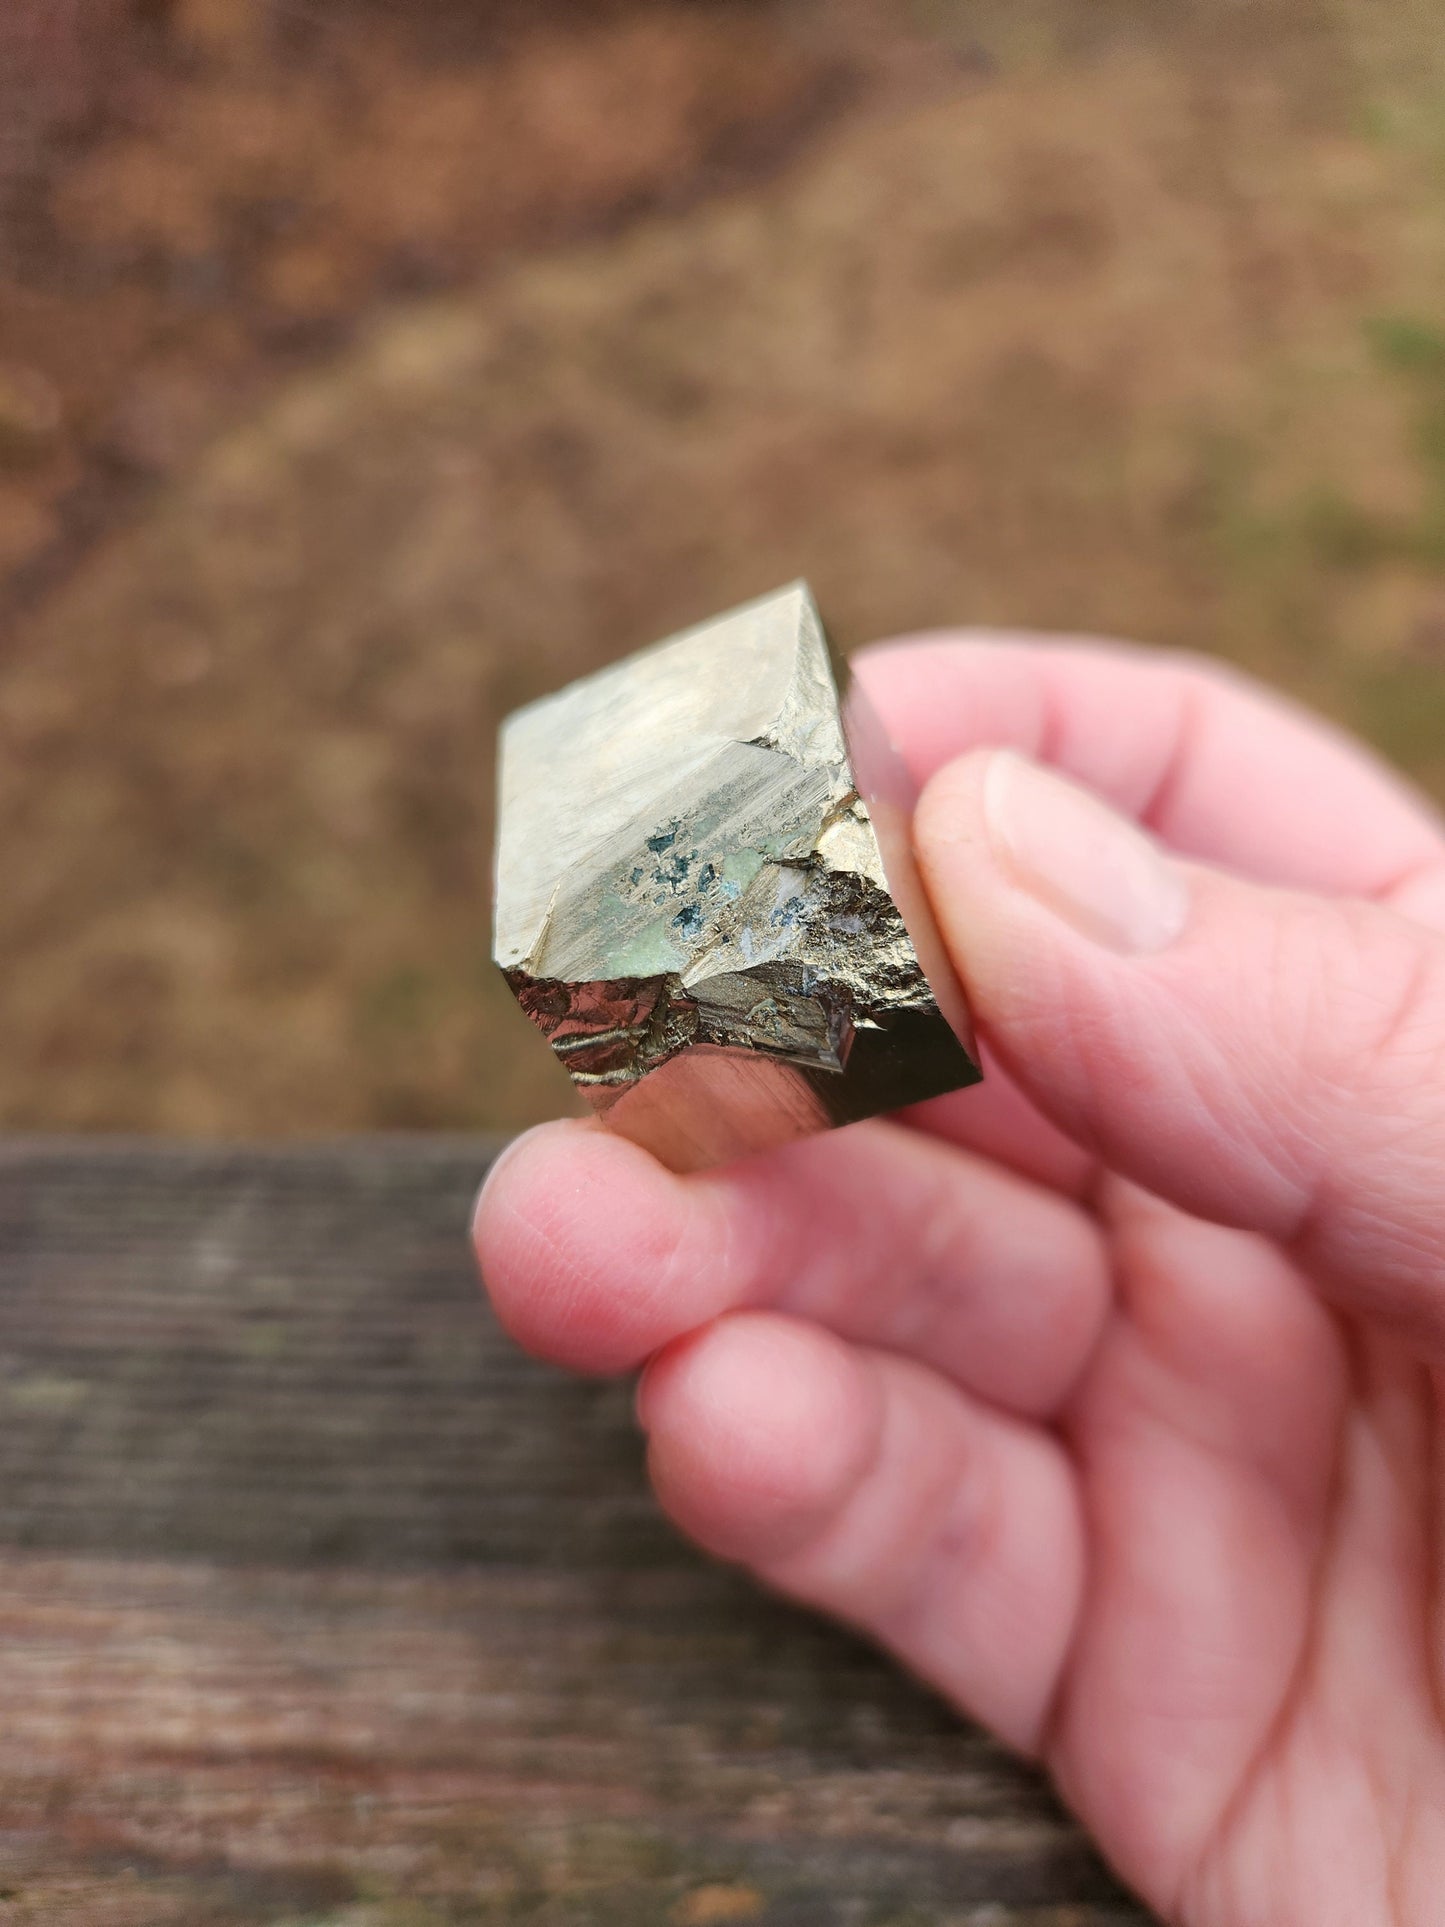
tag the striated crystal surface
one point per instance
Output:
(706, 899)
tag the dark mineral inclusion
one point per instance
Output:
(706, 900)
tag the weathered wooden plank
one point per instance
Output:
(280, 1356)
(323, 1605)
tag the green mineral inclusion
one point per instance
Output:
(654, 952)
(741, 866)
(661, 949)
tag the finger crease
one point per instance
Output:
(1158, 806)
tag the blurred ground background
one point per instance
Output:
(367, 368)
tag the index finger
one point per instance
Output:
(1219, 767)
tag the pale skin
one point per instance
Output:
(1107, 1397)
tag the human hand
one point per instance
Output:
(1109, 1396)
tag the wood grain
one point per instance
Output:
(322, 1605)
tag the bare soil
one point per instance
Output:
(366, 369)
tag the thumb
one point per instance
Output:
(1264, 1058)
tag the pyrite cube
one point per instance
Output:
(706, 899)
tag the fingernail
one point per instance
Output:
(1097, 871)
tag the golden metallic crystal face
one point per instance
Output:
(706, 899)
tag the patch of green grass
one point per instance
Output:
(1406, 344)
(1411, 350)
(1402, 705)
(400, 1003)
(1287, 547)
(1327, 591)
(1337, 533)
